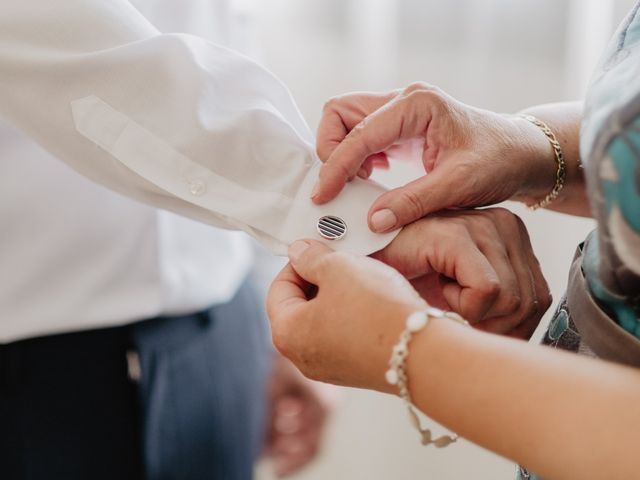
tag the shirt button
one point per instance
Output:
(197, 187)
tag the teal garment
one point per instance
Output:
(523, 475)
(610, 151)
(619, 176)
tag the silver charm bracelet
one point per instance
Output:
(397, 372)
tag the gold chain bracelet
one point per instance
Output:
(561, 172)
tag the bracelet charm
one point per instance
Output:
(397, 372)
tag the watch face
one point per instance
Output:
(332, 227)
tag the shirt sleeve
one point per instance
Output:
(171, 120)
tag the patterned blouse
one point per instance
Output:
(605, 320)
(610, 150)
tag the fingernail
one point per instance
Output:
(383, 220)
(362, 173)
(316, 187)
(297, 248)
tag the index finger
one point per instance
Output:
(331, 131)
(349, 155)
(342, 113)
(401, 118)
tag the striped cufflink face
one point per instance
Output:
(331, 227)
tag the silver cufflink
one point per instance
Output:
(332, 227)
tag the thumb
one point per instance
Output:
(430, 193)
(308, 259)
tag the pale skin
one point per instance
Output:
(500, 393)
(478, 263)
(503, 394)
(473, 157)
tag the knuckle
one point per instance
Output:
(359, 138)
(324, 264)
(465, 173)
(471, 314)
(532, 309)
(332, 104)
(420, 86)
(519, 222)
(424, 98)
(512, 303)
(456, 231)
(411, 203)
(357, 132)
(337, 258)
(447, 237)
(342, 169)
(334, 171)
(416, 86)
(331, 261)
(502, 215)
(490, 289)
(428, 97)
(488, 236)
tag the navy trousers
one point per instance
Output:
(168, 398)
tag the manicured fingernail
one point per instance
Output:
(314, 192)
(383, 220)
(297, 248)
(362, 173)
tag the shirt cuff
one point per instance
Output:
(276, 210)
(342, 223)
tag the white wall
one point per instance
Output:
(497, 54)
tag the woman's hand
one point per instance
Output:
(337, 315)
(342, 331)
(473, 157)
(478, 263)
(487, 388)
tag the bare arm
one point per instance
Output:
(561, 415)
(564, 120)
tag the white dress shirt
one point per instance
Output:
(168, 120)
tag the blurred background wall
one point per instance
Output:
(498, 54)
